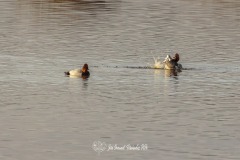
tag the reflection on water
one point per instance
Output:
(193, 114)
(82, 77)
(169, 73)
(166, 73)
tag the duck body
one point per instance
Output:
(79, 72)
(172, 65)
(74, 72)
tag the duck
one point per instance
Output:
(79, 72)
(172, 63)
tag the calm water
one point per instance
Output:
(192, 115)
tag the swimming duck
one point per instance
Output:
(172, 63)
(79, 72)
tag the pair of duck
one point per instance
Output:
(170, 63)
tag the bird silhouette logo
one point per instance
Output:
(99, 146)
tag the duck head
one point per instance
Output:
(176, 57)
(85, 68)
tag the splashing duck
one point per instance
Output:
(172, 63)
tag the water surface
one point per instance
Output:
(191, 115)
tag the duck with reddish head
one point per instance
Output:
(84, 73)
(172, 62)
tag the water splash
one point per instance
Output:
(157, 63)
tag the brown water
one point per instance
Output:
(192, 115)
